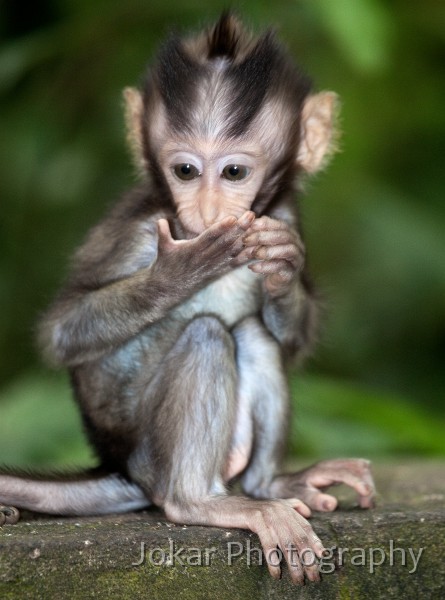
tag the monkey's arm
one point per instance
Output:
(104, 305)
(289, 308)
(292, 318)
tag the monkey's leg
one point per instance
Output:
(263, 390)
(263, 394)
(190, 419)
(190, 412)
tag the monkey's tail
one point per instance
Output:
(88, 493)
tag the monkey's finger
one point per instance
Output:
(218, 232)
(245, 255)
(246, 220)
(306, 536)
(230, 223)
(265, 222)
(274, 267)
(294, 537)
(318, 500)
(365, 491)
(225, 237)
(299, 555)
(362, 484)
(359, 466)
(312, 540)
(366, 501)
(164, 233)
(299, 506)
(277, 543)
(294, 564)
(270, 237)
(279, 274)
(288, 252)
(270, 551)
(309, 564)
(306, 543)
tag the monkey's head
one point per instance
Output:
(225, 123)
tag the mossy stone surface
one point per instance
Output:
(393, 551)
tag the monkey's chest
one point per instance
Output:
(231, 298)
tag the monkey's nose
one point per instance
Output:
(208, 209)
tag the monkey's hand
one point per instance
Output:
(210, 254)
(279, 251)
(308, 485)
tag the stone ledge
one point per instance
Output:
(93, 557)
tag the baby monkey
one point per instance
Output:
(186, 301)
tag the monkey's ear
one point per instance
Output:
(133, 119)
(318, 132)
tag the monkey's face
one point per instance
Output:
(212, 179)
(214, 172)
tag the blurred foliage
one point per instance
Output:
(375, 222)
(37, 410)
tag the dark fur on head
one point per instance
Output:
(225, 37)
(253, 69)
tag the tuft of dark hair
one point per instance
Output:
(224, 37)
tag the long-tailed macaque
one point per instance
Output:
(185, 302)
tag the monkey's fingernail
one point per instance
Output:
(257, 225)
(367, 489)
(253, 267)
(246, 220)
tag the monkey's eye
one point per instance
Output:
(235, 172)
(186, 171)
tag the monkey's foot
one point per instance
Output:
(9, 515)
(309, 485)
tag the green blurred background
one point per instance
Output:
(375, 221)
